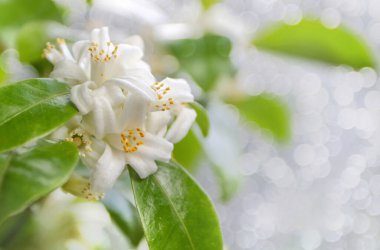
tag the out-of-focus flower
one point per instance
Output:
(126, 116)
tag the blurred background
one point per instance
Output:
(292, 91)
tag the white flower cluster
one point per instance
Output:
(126, 116)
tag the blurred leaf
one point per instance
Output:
(228, 184)
(268, 112)
(209, 3)
(3, 70)
(202, 118)
(125, 216)
(18, 12)
(206, 59)
(12, 226)
(34, 174)
(312, 40)
(4, 163)
(175, 212)
(31, 40)
(32, 108)
(188, 151)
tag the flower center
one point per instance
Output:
(89, 195)
(132, 140)
(80, 139)
(103, 54)
(162, 91)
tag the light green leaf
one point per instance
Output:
(125, 216)
(268, 112)
(18, 12)
(188, 151)
(229, 184)
(32, 108)
(31, 40)
(206, 59)
(202, 118)
(3, 70)
(208, 3)
(34, 174)
(175, 212)
(312, 40)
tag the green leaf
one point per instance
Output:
(32, 108)
(188, 151)
(3, 70)
(31, 40)
(229, 184)
(125, 216)
(34, 174)
(312, 40)
(209, 3)
(175, 212)
(18, 12)
(268, 112)
(202, 119)
(4, 163)
(206, 59)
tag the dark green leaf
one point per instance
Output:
(18, 12)
(34, 174)
(32, 108)
(188, 151)
(4, 163)
(312, 40)
(202, 118)
(206, 59)
(125, 216)
(175, 211)
(268, 112)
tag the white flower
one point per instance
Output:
(171, 95)
(126, 117)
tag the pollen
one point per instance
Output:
(132, 140)
(106, 54)
(162, 91)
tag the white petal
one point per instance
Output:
(82, 97)
(180, 90)
(134, 112)
(181, 125)
(69, 72)
(156, 122)
(90, 158)
(143, 167)
(134, 85)
(108, 168)
(156, 148)
(129, 54)
(80, 49)
(102, 119)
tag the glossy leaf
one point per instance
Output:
(188, 151)
(206, 59)
(125, 216)
(267, 112)
(17, 12)
(32, 108)
(175, 211)
(312, 40)
(202, 119)
(34, 174)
